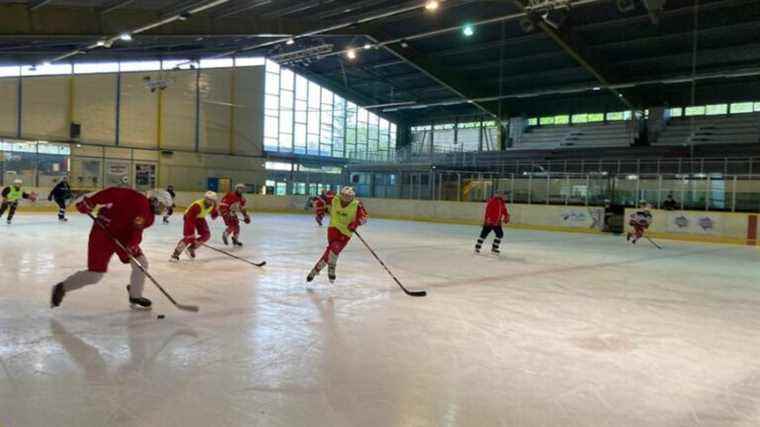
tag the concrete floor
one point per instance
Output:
(561, 330)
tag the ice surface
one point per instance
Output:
(561, 330)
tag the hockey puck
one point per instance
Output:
(160, 316)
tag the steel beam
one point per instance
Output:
(17, 20)
(36, 4)
(577, 49)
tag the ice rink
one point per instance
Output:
(561, 330)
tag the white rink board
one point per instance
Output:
(564, 329)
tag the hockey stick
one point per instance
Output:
(653, 242)
(406, 291)
(193, 308)
(257, 264)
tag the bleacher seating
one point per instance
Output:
(589, 135)
(699, 130)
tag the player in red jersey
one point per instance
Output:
(640, 221)
(321, 204)
(195, 220)
(125, 214)
(232, 203)
(496, 214)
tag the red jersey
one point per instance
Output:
(125, 212)
(496, 212)
(232, 203)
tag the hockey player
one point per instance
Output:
(231, 204)
(640, 221)
(346, 214)
(125, 214)
(61, 193)
(170, 209)
(195, 220)
(320, 204)
(11, 196)
(496, 214)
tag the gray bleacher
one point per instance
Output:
(589, 135)
(733, 129)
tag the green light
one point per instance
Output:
(468, 30)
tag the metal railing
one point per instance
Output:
(734, 193)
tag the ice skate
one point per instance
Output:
(331, 273)
(225, 238)
(139, 303)
(236, 242)
(191, 251)
(315, 271)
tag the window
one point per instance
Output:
(595, 117)
(362, 133)
(561, 120)
(580, 118)
(694, 111)
(339, 129)
(140, 66)
(249, 61)
(618, 115)
(741, 107)
(277, 166)
(546, 121)
(717, 109)
(304, 118)
(393, 135)
(14, 71)
(182, 64)
(676, 112)
(96, 67)
(46, 70)
(217, 63)
(757, 106)
(533, 121)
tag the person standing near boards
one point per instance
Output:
(496, 214)
(61, 194)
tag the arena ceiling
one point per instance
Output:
(587, 55)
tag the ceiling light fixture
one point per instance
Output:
(367, 46)
(290, 42)
(351, 54)
(431, 5)
(468, 30)
(126, 37)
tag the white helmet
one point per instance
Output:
(210, 195)
(241, 185)
(347, 192)
(18, 181)
(161, 196)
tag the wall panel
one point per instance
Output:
(45, 108)
(139, 112)
(249, 118)
(216, 110)
(95, 107)
(8, 106)
(178, 112)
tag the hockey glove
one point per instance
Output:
(84, 206)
